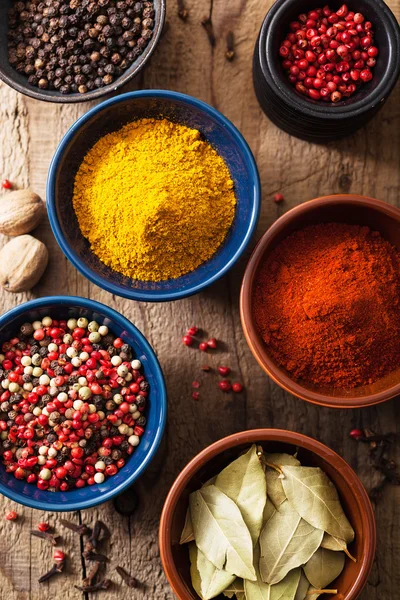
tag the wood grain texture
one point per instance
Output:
(367, 163)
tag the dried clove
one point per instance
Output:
(96, 538)
(183, 13)
(230, 47)
(378, 446)
(56, 568)
(95, 557)
(96, 587)
(45, 535)
(79, 529)
(88, 581)
(126, 577)
(208, 26)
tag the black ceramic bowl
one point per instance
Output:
(319, 121)
(20, 83)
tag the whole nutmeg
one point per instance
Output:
(20, 212)
(22, 263)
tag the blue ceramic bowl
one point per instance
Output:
(112, 115)
(68, 307)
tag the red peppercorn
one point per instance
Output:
(224, 371)
(366, 75)
(43, 527)
(195, 395)
(314, 94)
(278, 198)
(336, 96)
(6, 184)
(203, 346)
(187, 340)
(237, 387)
(356, 434)
(373, 51)
(192, 330)
(225, 385)
(332, 48)
(39, 334)
(212, 343)
(11, 516)
(58, 556)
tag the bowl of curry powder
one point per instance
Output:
(153, 195)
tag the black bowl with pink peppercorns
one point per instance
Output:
(322, 71)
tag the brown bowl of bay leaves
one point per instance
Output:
(267, 514)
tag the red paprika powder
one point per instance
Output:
(327, 304)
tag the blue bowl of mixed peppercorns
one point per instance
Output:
(82, 403)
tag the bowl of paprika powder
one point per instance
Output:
(320, 301)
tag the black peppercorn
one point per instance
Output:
(42, 34)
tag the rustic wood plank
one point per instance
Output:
(366, 163)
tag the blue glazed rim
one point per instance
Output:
(156, 369)
(135, 294)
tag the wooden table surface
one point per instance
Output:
(367, 163)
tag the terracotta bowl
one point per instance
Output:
(354, 499)
(343, 208)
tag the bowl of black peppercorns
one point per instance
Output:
(76, 50)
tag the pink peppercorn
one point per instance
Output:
(224, 371)
(34, 430)
(225, 385)
(58, 556)
(329, 44)
(356, 434)
(11, 516)
(237, 387)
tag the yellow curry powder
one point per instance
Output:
(154, 200)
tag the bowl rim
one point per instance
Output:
(134, 294)
(252, 436)
(148, 350)
(249, 327)
(56, 98)
(313, 109)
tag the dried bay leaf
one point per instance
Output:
(269, 510)
(330, 542)
(323, 567)
(286, 589)
(213, 581)
(313, 495)
(281, 458)
(187, 533)
(237, 587)
(287, 542)
(274, 484)
(221, 533)
(302, 588)
(210, 481)
(194, 572)
(257, 590)
(243, 481)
